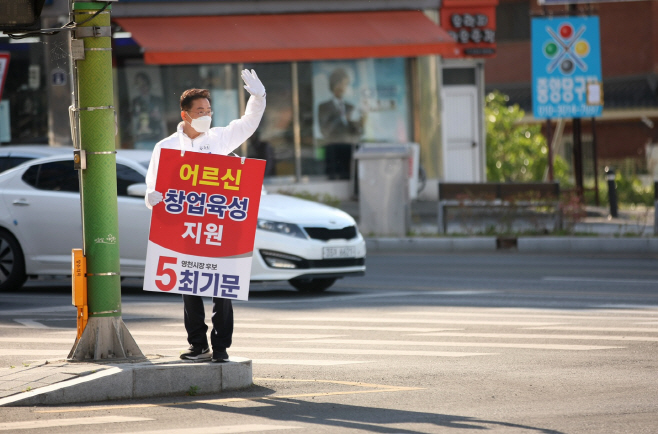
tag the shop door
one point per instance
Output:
(461, 147)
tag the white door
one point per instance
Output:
(461, 140)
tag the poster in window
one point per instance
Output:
(147, 120)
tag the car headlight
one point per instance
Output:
(290, 229)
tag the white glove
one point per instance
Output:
(252, 83)
(154, 198)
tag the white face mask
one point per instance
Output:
(202, 124)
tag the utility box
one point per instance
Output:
(384, 204)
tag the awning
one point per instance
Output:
(290, 37)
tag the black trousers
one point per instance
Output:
(221, 335)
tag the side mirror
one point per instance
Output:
(137, 190)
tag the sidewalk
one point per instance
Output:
(630, 233)
(61, 382)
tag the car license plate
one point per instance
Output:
(338, 252)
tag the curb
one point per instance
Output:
(520, 244)
(140, 380)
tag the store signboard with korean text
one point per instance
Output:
(472, 25)
(202, 234)
(566, 68)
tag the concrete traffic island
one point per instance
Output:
(62, 382)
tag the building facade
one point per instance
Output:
(338, 74)
(626, 135)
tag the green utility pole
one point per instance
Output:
(105, 335)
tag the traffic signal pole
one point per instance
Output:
(105, 336)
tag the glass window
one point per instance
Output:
(513, 21)
(274, 141)
(458, 76)
(7, 163)
(356, 101)
(127, 176)
(55, 176)
(31, 175)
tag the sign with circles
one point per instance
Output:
(566, 67)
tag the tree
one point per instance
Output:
(516, 152)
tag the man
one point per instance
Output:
(341, 125)
(194, 134)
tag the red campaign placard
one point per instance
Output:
(210, 204)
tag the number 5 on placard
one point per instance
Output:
(162, 271)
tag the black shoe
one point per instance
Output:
(196, 353)
(219, 356)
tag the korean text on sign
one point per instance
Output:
(202, 235)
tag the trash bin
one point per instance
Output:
(384, 204)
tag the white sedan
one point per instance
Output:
(306, 243)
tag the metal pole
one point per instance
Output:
(596, 163)
(612, 190)
(105, 335)
(296, 126)
(578, 156)
(549, 140)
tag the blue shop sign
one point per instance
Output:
(566, 67)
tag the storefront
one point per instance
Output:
(334, 79)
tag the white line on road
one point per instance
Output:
(597, 280)
(37, 353)
(510, 315)
(37, 310)
(330, 327)
(51, 423)
(230, 429)
(541, 336)
(598, 329)
(304, 362)
(380, 294)
(342, 351)
(393, 344)
(419, 320)
(239, 335)
(30, 323)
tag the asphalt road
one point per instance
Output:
(502, 342)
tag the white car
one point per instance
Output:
(306, 243)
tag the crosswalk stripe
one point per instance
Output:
(394, 344)
(341, 351)
(239, 334)
(51, 423)
(598, 329)
(36, 353)
(305, 362)
(540, 336)
(331, 327)
(597, 280)
(421, 320)
(230, 429)
(522, 315)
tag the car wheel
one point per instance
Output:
(12, 263)
(312, 285)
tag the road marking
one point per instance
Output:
(541, 336)
(46, 310)
(394, 344)
(599, 329)
(420, 320)
(628, 306)
(370, 388)
(34, 424)
(332, 327)
(325, 299)
(240, 335)
(231, 429)
(597, 280)
(37, 353)
(342, 351)
(305, 362)
(43, 339)
(521, 315)
(30, 323)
